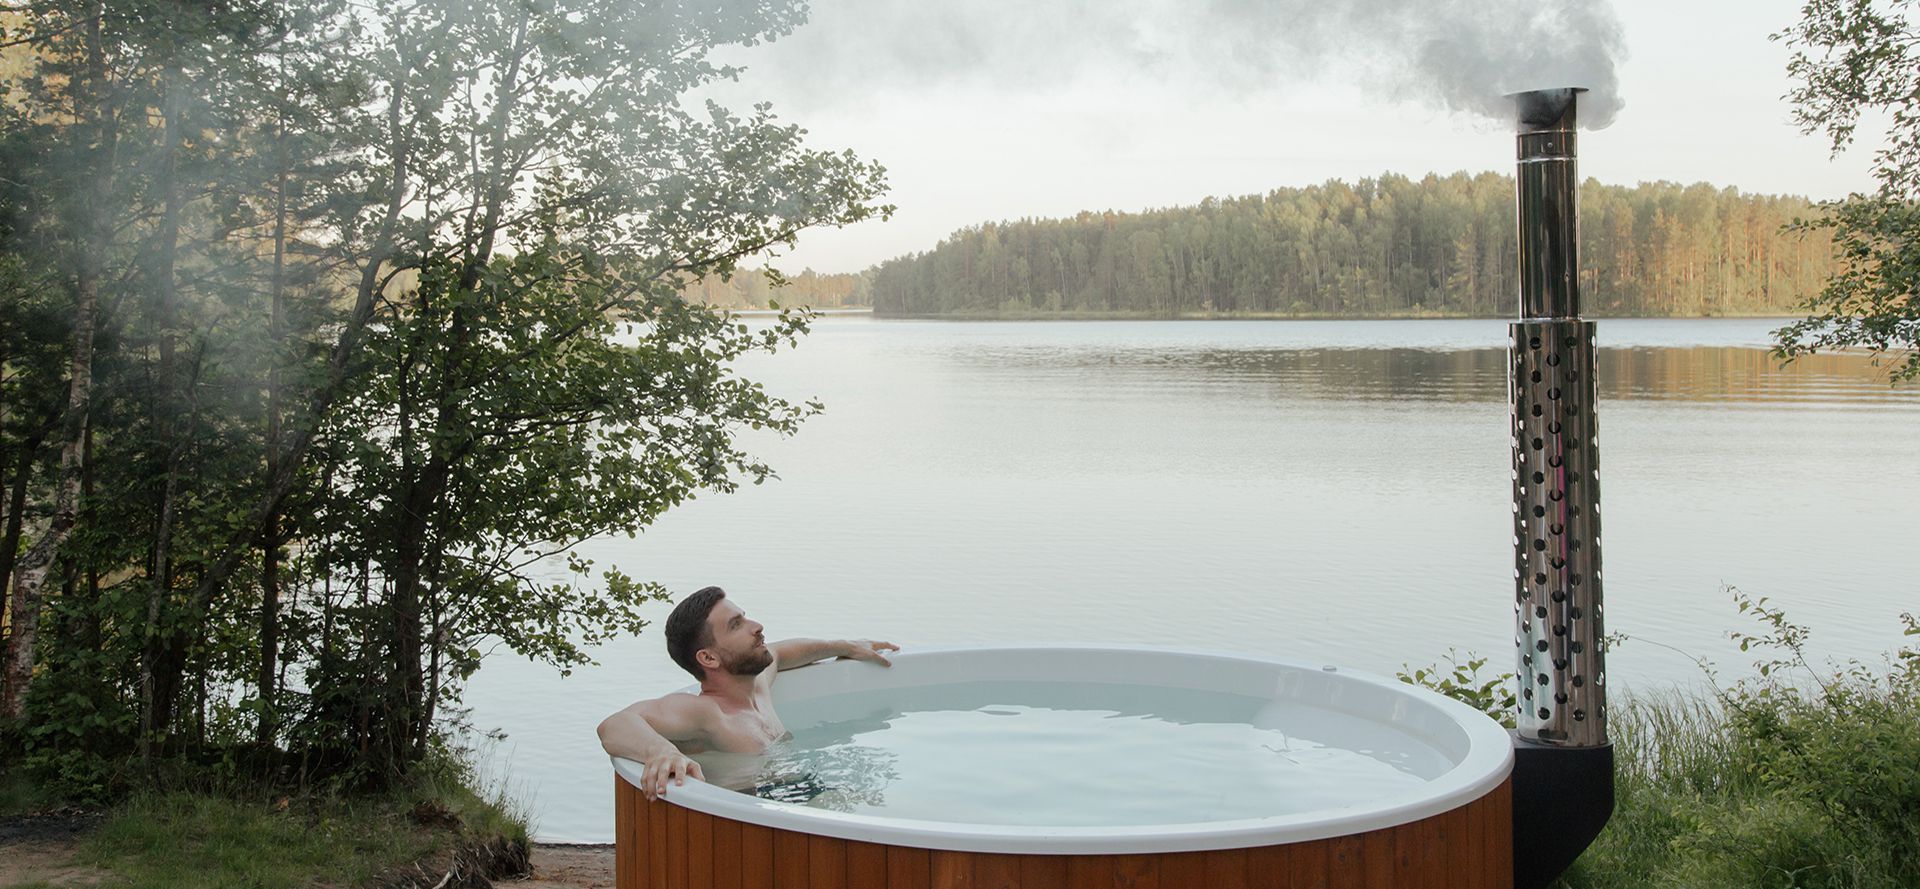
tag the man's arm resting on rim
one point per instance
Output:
(646, 731)
(790, 653)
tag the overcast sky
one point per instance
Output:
(1001, 109)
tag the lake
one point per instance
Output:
(1332, 491)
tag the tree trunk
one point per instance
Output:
(422, 491)
(16, 511)
(436, 645)
(270, 542)
(165, 410)
(31, 572)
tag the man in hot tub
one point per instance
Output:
(710, 637)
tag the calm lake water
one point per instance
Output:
(1323, 490)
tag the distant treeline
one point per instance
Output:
(751, 289)
(1392, 246)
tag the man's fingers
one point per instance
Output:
(693, 768)
(886, 645)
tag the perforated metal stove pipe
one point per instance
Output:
(1556, 477)
(1563, 762)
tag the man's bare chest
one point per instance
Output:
(748, 731)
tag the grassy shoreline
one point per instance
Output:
(438, 830)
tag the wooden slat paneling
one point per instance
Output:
(699, 850)
(1227, 869)
(1089, 872)
(1307, 865)
(756, 856)
(627, 830)
(1470, 852)
(866, 866)
(1183, 869)
(1048, 871)
(726, 854)
(1431, 860)
(1137, 872)
(827, 863)
(665, 846)
(1347, 862)
(952, 870)
(909, 868)
(1499, 855)
(1270, 867)
(790, 867)
(1406, 857)
(996, 871)
(657, 852)
(676, 851)
(1379, 856)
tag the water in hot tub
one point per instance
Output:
(1077, 754)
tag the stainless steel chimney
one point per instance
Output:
(1556, 464)
(1563, 762)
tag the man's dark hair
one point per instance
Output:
(687, 630)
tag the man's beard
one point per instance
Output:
(749, 664)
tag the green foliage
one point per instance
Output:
(187, 838)
(1853, 58)
(394, 324)
(1798, 777)
(1391, 246)
(1461, 681)
(20, 793)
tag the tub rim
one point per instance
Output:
(1486, 765)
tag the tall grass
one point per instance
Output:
(215, 832)
(1799, 777)
(187, 839)
(1800, 790)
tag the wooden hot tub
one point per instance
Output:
(1455, 832)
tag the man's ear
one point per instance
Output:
(706, 658)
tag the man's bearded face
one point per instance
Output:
(748, 663)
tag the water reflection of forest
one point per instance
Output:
(1691, 373)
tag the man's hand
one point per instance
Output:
(673, 767)
(869, 650)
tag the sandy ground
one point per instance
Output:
(39, 847)
(49, 862)
(558, 866)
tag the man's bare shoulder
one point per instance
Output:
(682, 703)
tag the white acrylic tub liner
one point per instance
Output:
(1480, 748)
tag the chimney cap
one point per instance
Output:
(1546, 109)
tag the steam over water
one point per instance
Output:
(1465, 55)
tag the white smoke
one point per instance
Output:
(1465, 55)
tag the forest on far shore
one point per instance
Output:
(1391, 246)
